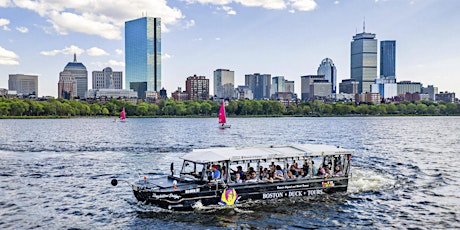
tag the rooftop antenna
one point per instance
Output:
(364, 25)
(74, 57)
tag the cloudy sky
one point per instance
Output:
(279, 37)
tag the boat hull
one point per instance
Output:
(224, 126)
(211, 194)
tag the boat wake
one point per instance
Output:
(366, 180)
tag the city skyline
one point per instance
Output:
(281, 38)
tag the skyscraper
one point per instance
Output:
(73, 80)
(388, 59)
(364, 60)
(224, 83)
(143, 54)
(23, 84)
(260, 85)
(327, 68)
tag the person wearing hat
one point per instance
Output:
(215, 172)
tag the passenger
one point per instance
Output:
(278, 175)
(264, 172)
(313, 169)
(238, 178)
(293, 171)
(224, 172)
(252, 177)
(305, 169)
(337, 171)
(290, 175)
(268, 178)
(239, 170)
(215, 172)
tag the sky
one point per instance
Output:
(279, 37)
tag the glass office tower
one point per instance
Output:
(364, 60)
(388, 59)
(143, 53)
(327, 68)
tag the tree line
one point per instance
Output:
(69, 108)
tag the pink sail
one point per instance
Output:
(222, 119)
(123, 114)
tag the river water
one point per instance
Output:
(55, 174)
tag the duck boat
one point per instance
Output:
(195, 186)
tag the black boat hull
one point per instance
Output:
(211, 194)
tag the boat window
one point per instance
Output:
(192, 168)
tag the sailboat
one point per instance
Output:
(222, 117)
(123, 115)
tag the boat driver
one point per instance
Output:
(215, 172)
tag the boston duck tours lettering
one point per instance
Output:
(228, 176)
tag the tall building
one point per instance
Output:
(364, 60)
(73, 80)
(197, 88)
(143, 54)
(278, 84)
(388, 59)
(23, 84)
(259, 84)
(305, 82)
(224, 83)
(107, 79)
(327, 68)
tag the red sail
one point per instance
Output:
(122, 114)
(222, 118)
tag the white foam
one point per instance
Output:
(366, 180)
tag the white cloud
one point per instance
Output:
(165, 56)
(4, 21)
(303, 5)
(217, 39)
(5, 3)
(189, 24)
(67, 50)
(336, 2)
(105, 19)
(8, 57)
(110, 63)
(229, 10)
(94, 51)
(22, 29)
(116, 63)
(119, 51)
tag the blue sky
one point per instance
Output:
(279, 37)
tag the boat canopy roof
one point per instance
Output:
(262, 153)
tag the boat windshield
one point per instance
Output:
(192, 168)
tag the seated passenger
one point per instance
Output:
(268, 178)
(305, 169)
(293, 171)
(337, 171)
(238, 179)
(290, 175)
(278, 173)
(252, 177)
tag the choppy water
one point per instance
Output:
(55, 174)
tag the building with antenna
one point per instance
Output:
(73, 80)
(364, 60)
